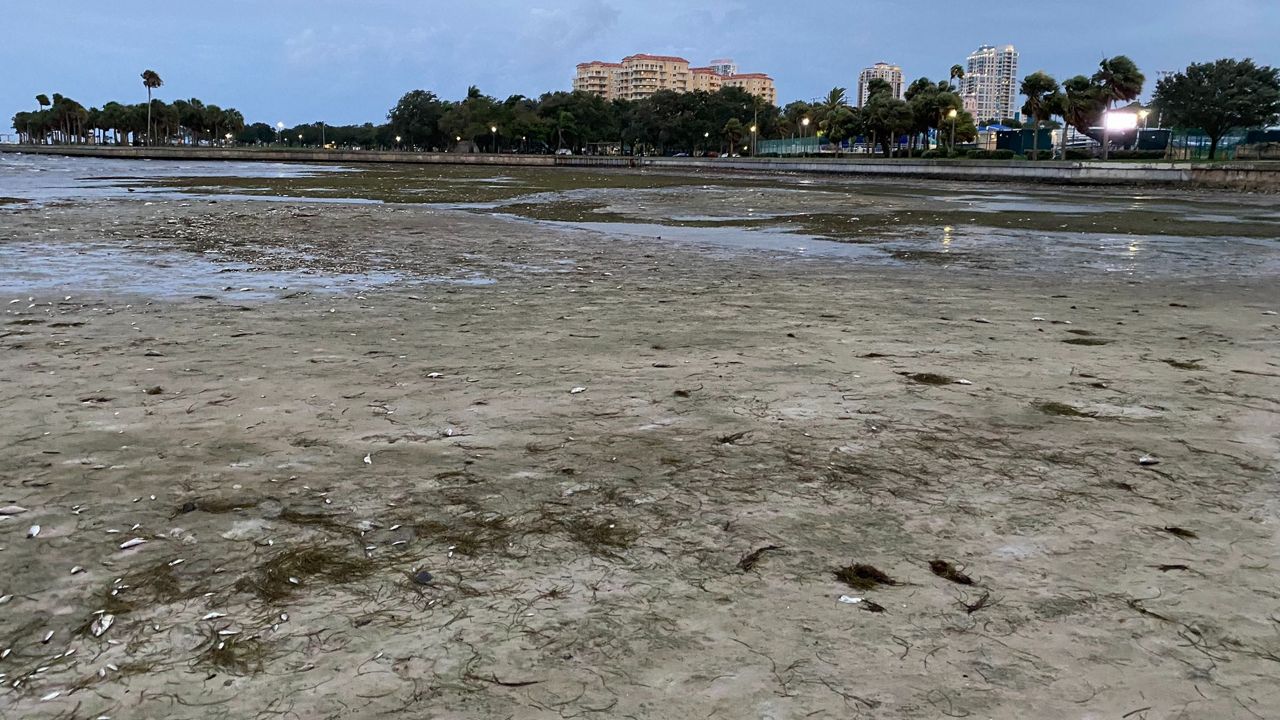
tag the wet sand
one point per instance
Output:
(375, 391)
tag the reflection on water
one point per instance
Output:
(41, 179)
(32, 268)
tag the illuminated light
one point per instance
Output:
(1121, 121)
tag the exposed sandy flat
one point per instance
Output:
(585, 547)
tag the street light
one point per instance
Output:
(804, 131)
(952, 113)
(1142, 115)
(397, 142)
(753, 141)
(280, 132)
(493, 133)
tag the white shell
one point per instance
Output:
(213, 615)
(12, 510)
(51, 696)
(577, 390)
(34, 531)
(135, 542)
(849, 600)
(102, 624)
(1148, 460)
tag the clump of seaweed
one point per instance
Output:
(601, 537)
(949, 571)
(472, 535)
(157, 584)
(749, 560)
(284, 572)
(1184, 364)
(860, 576)
(1088, 341)
(233, 654)
(1050, 407)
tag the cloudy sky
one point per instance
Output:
(347, 62)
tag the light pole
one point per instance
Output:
(493, 133)
(299, 139)
(397, 142)
(753, 141)
(280, 132)
(952, 114)
(706, 140)
(804, 132)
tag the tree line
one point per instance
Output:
(61, 119)
(1215, 97)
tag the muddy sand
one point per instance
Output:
(412, 461)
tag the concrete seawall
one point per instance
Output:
(1261, 176)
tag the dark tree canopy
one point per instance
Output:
(1220, 96)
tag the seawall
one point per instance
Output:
(1261, 176)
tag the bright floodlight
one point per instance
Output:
(280, 126)
(1121, 121)
(805, 122)
(952, 113)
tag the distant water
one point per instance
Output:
(40, 179)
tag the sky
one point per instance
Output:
(348, 62)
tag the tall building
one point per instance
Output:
(990, 85)
(723, 67)
(757, 84)
(639, 76)
(891, 74)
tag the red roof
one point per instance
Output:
(659, 58)
(600, 63)
(750, 75)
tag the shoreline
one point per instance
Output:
(662, 542)
(1248, 176)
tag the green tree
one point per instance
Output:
(1117, 80)
(1219, 97)
(887, 118)
(150, 80)
(1039, 87)
(416, 118)
(841, 124)
(957, 73)
(43, 101)
(733, 131)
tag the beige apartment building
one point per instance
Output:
(757, 84)
(891, 74)
(640, 76)
(990, 84)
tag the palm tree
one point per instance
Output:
(829, 106)
(1079, 105)
(1119, 80)
(957, 73)
(150, 80)
(43, 101)
(1039, 87)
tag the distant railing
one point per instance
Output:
(596, 161)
